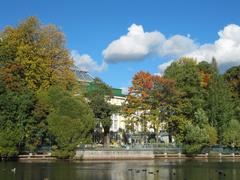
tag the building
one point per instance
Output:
(118, 98)
(117, 119)
(82, 76)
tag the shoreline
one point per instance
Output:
(127, 157)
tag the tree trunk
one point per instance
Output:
(106, 137)
(170, 137)
(106, 140)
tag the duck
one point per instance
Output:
(13, 170)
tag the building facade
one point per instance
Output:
(118, 98)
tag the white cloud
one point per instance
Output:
(137, 45)
(86, 63)
(177, 45)
(226, 49)
(164, 66)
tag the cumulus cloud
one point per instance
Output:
(86, 63)
(164, 66)
(226, 49)
(137, 45)
(177, 45)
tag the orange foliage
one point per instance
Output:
(204, 79)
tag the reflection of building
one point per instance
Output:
(118, 98)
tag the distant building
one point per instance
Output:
(118, 120)
(82, 76)
(118, 98)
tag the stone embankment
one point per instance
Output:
(143, 154)
(115, 154)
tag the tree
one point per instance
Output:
(152, 101)
(10, 138)
(232, 77)
(205, 72)
(201, 120)
(136, 108)
(34, 55)
(98, 96)
(16, 113)
(219, 102)
(231, 134)
(188, 81)
(195, 139)
(69, 122)
(200, 117)
(165, 99)
(199, 133)
(33, 58)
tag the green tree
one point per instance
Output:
(188, 82)
(10, 138)
(201, 120)
(231, 134)
(70, 121)
(199, 133)
(99, 95)
(232, 77)
(219, 102)
(16, 112)
(195, 139)
(200, 117)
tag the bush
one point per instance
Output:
(195, 139)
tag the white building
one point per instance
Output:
(117, 119)
(118, 98)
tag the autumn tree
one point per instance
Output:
(151, 103)
(34, 55)
(33, 59)
(136, 107)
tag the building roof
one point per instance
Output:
(115, 91)
(83, 76)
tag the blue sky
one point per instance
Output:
(153, 32)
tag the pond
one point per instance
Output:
(121, 170)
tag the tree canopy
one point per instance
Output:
(34, 55)
(98, 96)
(33, 112)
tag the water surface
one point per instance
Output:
(121, 170)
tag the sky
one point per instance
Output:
(114, 39)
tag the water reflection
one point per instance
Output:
(121, 170)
